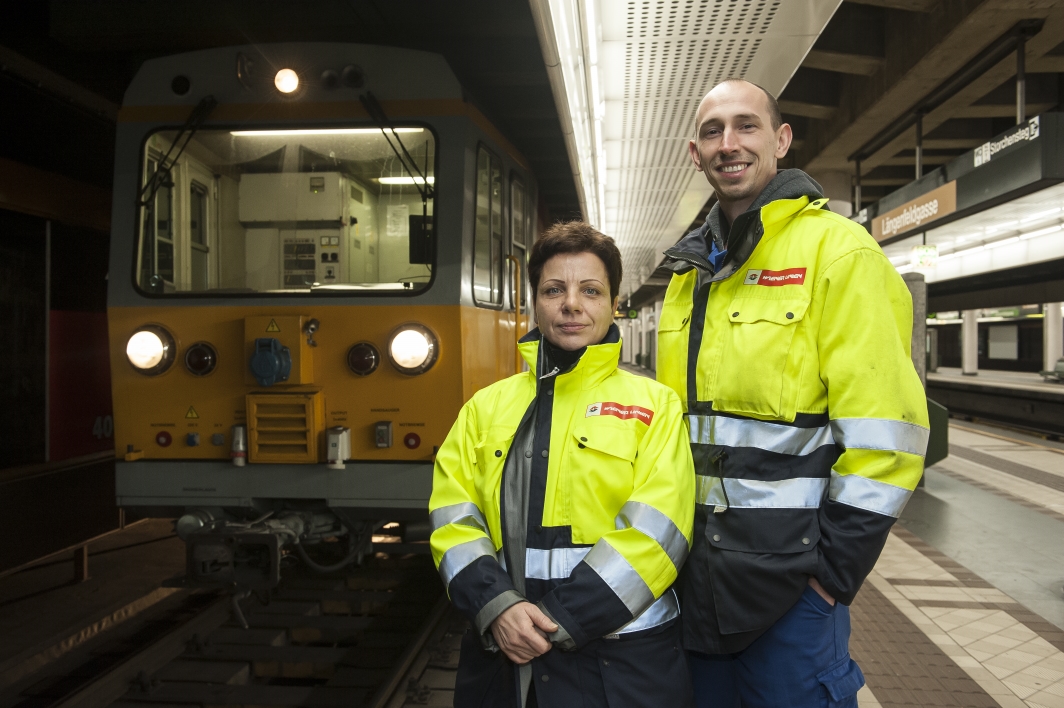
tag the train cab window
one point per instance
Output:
(242, 212)
(488, 250)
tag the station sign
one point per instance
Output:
(910, 216)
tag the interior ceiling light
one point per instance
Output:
(405, 180)
(150, 350)
(319, 131)
(413, 349)
(286, 81)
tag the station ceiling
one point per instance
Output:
(846, 71)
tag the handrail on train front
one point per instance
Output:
(517, 311)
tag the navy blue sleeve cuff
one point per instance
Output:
(586, 606)
(851, 540)
(476, 585)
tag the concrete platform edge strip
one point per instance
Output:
(18, 667)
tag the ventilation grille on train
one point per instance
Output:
(283, 427)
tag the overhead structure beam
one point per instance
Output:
(842, 62)
(910, 5)
(997, 50)
(47, 80)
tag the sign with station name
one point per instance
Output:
(912, 215)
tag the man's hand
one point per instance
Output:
(521, 632)
(815, 584)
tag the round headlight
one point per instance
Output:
(413, 349)
(363, 358)
(286, 81)
(200, 359)
(150, 350)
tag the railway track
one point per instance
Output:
(361, 638)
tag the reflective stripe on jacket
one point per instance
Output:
(808, 422)
(610, 504)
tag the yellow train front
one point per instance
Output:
(316, 251)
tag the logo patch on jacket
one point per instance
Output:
(791, 276)
(623, 412)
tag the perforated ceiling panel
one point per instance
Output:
(659, 57)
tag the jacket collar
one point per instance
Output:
(787, 194)
(598, 361)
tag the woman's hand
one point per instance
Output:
(521, 632)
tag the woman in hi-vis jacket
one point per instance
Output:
(562, 505)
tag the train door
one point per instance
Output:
(486, 355)
(521, 241)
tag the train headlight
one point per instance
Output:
(363, 358)
(286, 81)
(413, 349)
(150, 350)
(200, 359)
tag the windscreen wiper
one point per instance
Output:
(376, 112)
(161, 177)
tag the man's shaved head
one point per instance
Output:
(773, 106)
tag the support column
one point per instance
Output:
(918, 291)
(81, 564)
(969, 343)
(919, 145)
(1052, 335)
(1021, 80)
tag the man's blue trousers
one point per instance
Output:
(802, 661)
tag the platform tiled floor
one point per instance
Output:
(929, 630)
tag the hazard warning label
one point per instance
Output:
(191, 413)
(272, 327)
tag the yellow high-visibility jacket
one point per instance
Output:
(808, 421)
(610, 506)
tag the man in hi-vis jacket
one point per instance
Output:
(786, 333)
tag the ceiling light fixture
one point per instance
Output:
(405, 180)
(317, 131)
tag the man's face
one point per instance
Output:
(735, 144)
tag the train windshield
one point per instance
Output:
(287, 211)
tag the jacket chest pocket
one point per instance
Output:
(760, 359)
(601, 475)
(491, 455)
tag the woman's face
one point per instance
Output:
(573, 306)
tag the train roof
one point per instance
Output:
(245, 74)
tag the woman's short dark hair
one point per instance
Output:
(575, 237)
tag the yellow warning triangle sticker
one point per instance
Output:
(272, 327)
(192, 413)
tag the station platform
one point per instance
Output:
(1008, 397)
(1017, 380)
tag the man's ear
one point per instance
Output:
(695, 157)
(784, 136)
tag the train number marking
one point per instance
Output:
(104, 427)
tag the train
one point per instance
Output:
(318, 254)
